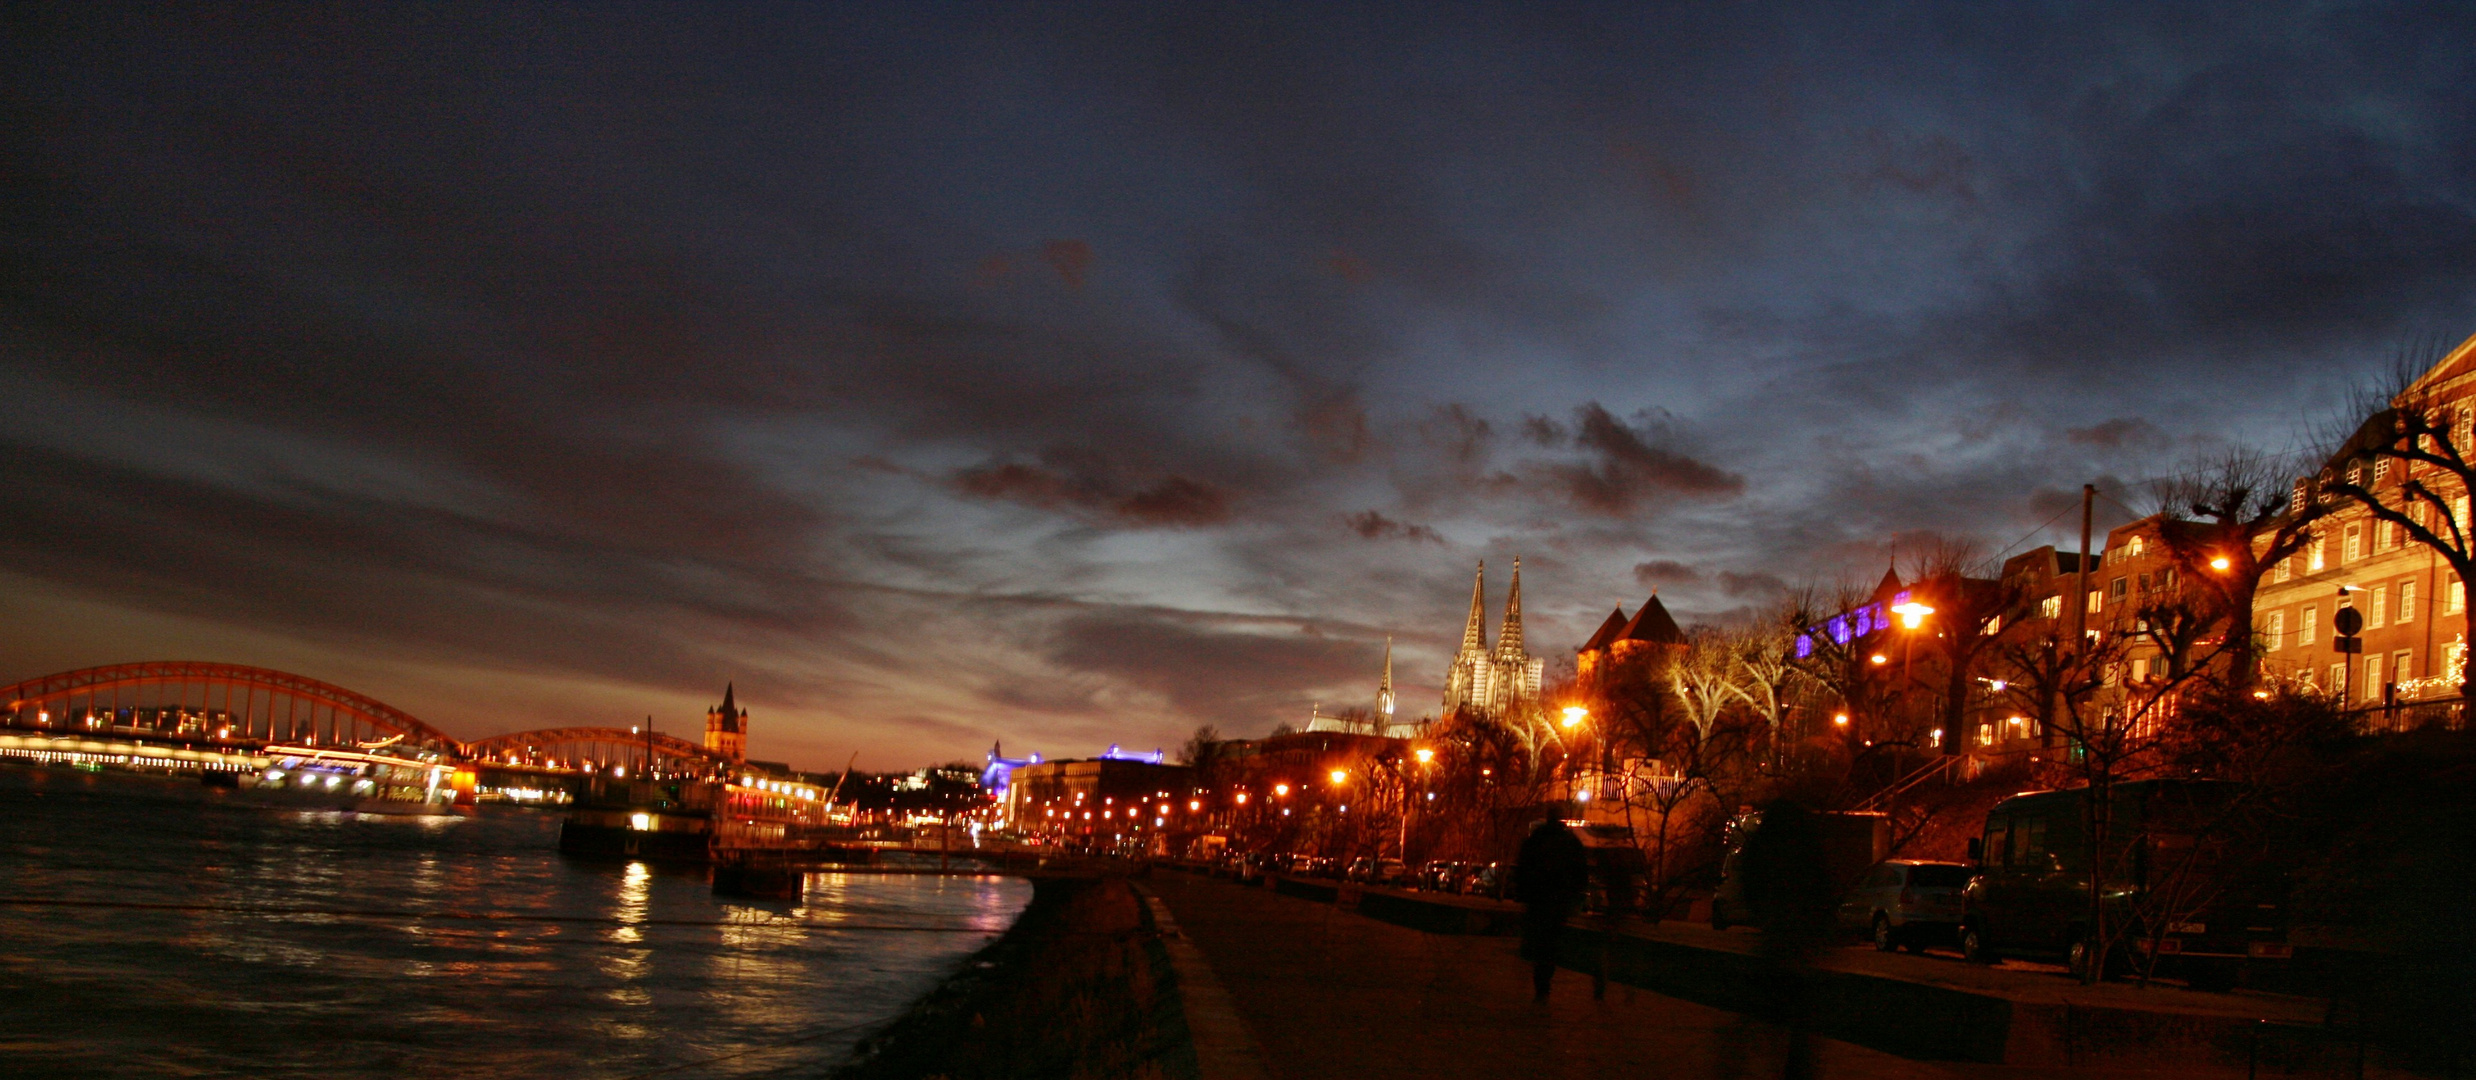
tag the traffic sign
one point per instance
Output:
(2348, 644)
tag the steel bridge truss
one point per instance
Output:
(214, 701)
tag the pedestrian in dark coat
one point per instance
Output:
(1789, 887)
(1550, 878)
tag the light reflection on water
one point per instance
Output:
(667, 975)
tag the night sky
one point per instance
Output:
(1077, 375)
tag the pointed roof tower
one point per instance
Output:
(1509, 639)
(1653, 624)
(726, 699)
(1474, 635)
(1891, 583)
(1608, 632)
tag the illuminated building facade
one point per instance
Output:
(726, 728)
(1103, 800)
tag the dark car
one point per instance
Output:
(1907, 903)
(2177, 891)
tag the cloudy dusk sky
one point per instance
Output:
(1074, 375)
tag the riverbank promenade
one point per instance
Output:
(1324, 992)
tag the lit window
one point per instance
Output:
(2376, 613)
(2372, 677)
(2315, 555)
(2050, 608)
(2407, 601)
(2276, 632)
(2307, 624)
(2355, 543)
(2402, 665)
(2455, 601)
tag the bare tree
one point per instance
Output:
(2233, 519)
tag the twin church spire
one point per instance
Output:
(1488, 682)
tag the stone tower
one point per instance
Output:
(726, 728)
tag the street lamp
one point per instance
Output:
(2220, 563)
(1913, 613)
(1340, 776)
(1425, 755)
(1574, 715)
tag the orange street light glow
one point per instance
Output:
(1840, 719)
(1425, 755)
(2220, 563)
(1881, 659)
(1340, 775)
(1280, 789)
(1575, 714)
(1911, 614)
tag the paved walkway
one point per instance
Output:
(1328, 993)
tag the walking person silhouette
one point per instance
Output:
(1789, 887)
(1550, 878)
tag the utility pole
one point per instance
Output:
(2080, 593)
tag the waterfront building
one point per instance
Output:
(1490, 683)
(726, 728)
(1102, 800)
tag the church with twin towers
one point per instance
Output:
(1492, 683)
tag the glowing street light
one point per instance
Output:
(1425, 755)
(1841, 719)
(2220, 563)
(1575, 714)
(1281, 789)
(1341, 776)
(1911, 614)
(1880, 658)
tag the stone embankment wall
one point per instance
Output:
(1079, 988)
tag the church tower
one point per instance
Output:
(1466, 682)
(1516, 674)
(1384, 690)
(726, 729)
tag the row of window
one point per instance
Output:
(2377, 606)
(2358, 540)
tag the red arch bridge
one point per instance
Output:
(185, 711)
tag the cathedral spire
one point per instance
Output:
(1474, 635)
(1509, 639)
(1384, 691)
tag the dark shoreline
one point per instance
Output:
(1079, 987)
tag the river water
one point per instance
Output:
(189, 932)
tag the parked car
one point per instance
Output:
(1488, 880)
(1361, 870)
(1852, 843)
(1907, 903)
(1442, 876)
(1390, 872)
(2176, 891)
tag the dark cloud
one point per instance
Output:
(1375, 526)
(1166, 502)
(2121, 433)
(1756, 584)
(1665, 572)
(1626, 470)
